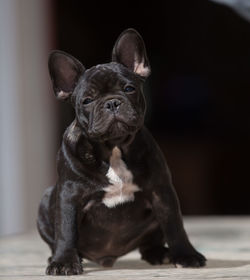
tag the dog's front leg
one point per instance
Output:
(65, 259)
(167, 210)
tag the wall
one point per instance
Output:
(27, 112)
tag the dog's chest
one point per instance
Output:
(121, 188)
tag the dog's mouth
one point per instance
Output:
(116, 131)
(118, 127)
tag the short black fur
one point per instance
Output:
(73, 218)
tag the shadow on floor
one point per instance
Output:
(213, 263)
(130, 264)
(138, 264)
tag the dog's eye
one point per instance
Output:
(87, 101)
(129, 89)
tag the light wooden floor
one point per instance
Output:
(224, 241)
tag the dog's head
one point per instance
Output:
(108, 98)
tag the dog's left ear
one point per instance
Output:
(65, 71)
(130, 51)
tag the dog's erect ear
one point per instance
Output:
(130, 51)
(65, 71)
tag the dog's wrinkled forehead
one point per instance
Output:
(104, 77)
(129, 65)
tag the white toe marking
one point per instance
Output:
(179, 265)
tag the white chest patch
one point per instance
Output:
(121, 188)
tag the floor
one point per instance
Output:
(224, 241)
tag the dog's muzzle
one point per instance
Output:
(112, 105)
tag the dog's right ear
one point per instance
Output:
(65, 71)
(130, 51)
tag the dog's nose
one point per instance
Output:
(112, 105)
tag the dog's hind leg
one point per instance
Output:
(45, 224)
(152, 248)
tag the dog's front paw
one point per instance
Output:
(185, 259)
(67, 268)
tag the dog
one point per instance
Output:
(114, 191)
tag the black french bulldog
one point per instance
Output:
(114, 191)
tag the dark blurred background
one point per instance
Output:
(198, 95)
